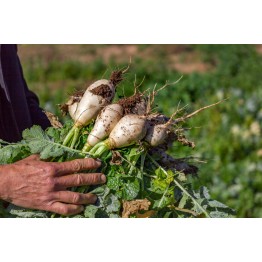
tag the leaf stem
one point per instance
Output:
(69, 136)
(182, 188)
(162, 198)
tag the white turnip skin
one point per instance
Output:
(105, 122)
(72, 109)
(157, 134)
(91, 104)
(129, 130)
(158, 129)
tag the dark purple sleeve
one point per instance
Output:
(19, 107)
(37, 115)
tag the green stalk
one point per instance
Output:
(143, 157)
(181, 187)
(86, 147)
(162, 198)
(75, 136)
(99, 149)
(93, 150)
(69, 136)
(133, 166)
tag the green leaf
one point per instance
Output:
(112, 204)
(90, 211)
(114, 216)
(26, 213)
(183, 201)
(13, 152)
(113, 183)
(131, 189)
(40, 143)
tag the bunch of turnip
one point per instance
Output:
(122, 123)
(85, 108)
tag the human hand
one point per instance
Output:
(35, 184)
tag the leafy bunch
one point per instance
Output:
(137, 184)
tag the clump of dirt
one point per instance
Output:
(184, 141)
(103, 91)
(134, 206)
(135, 104)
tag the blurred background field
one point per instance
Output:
(228, 136)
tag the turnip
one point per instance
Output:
(105, 122)
(72, 109)
(159, 128)
(95, 98)
(129, 130)
(72, 103)
(157, 133)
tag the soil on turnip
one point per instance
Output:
(103, 91)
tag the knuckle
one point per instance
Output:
(91, 163)
(79, 180)
(77, 166)
(49, 198)
(51, 184)
(64, 210)
(76, 198)
(50, 169)
(94, 178)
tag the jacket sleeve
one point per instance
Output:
(37, 115)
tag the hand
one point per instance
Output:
(32, 183)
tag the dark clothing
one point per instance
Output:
(19, 107)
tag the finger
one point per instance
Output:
(75, 198)
(76, 165)
(81, 179)
(65, 209)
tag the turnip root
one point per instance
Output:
(105, 122)
(159, 127)
(156, 135)
(129, 130)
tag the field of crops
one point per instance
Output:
(228, 141)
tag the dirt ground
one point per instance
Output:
(181, 57)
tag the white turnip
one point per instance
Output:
(105, 122)
(129, 130)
